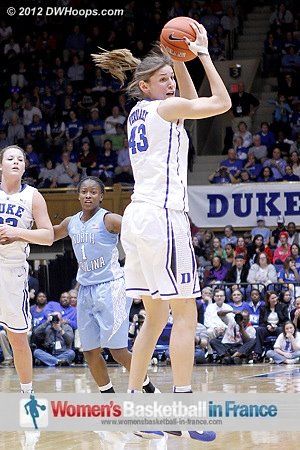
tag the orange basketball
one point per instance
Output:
(172, 36)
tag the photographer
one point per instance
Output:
(56, 338)
(135, 326)
(221, 176)
(238, 340)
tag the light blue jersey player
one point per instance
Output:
(102, 305)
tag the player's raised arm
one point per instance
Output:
(191, 107)
(61, 230)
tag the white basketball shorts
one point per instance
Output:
(14, 297)
(160, 259)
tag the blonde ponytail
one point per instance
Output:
(116, 62)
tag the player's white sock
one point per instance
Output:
(107, 388)
(182, 389)
(26, 388)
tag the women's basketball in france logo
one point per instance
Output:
(34, 412)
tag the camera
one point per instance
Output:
(239, 318)
(54, 318)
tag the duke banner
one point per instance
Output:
(239, 205)
(136, 412)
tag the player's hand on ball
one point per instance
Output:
(200, 44)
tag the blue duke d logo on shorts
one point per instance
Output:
(33, 412)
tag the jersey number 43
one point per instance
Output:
(138, 140)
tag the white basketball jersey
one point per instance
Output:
(16, 210)
(158, 153)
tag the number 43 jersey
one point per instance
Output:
(158, 153)
(95, 249)
(16, 211)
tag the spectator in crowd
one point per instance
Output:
(54, 339)
(75, 44)
(239, 338)
(238, 273)
(242, 130)
(37, 310)
(286, 297)
(76, 70)
(289, 174)
(266, 175)
(217, 249)
(66, 173)
(95, 126)
(74, 128)
(267, 137)
(123, 170)
(295, 119)
(87, 160)
(213, 322)
(207, 239)
(32, 156)
(46, 175)
(6, 349)
(241, 151)
(262, 230)
(67, 312)
(29, 111)
(295, 253)
(221, 176)
(283, 250)
(107, 163)
(229, 237)
(281, 113)
(217, 273)
(232, 163)
(257, 149)
(287, 346)
(283, 143)
(16, 131)
(73, 293)
(111, 121)
(257, 247)
(281, 16)
(244, 177)
(290, 62)
(271, 320)
(253, 167)
(295, 163)
(289, 273)
(271, 56)
(55, 132)
(237, 302)
(244, 106)
(276, 232)
(295, 314)
(229, 259)
(262, 272)
(293, 237)
(241, 248)
(254, 306)
(11, 48)
(136, 307)
(86, 102)
(277, 163)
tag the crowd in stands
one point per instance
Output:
(69, 116)
(270, 153)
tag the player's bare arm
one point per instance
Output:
(61, 230)
(113, 223)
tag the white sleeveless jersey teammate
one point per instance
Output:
(15, 210)
(158, 154)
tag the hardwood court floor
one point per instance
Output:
(233, 379)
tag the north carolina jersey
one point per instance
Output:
(16, 210)
(95, 249)
(158, 154)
